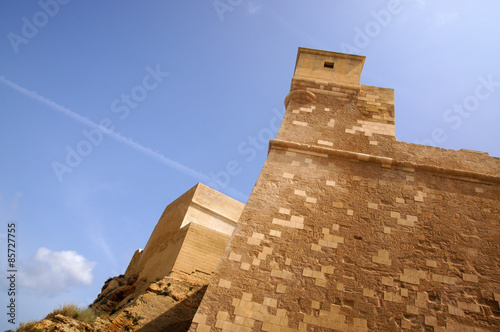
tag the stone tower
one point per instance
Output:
(189, 238)
(348, 229)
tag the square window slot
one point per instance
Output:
(328, 65)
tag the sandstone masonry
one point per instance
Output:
(348, 229)
(189, 238)
(164, 283)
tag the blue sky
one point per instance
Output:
(111, 110)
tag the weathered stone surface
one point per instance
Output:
(409, 234)
(58, 323)
(189, 238)
(167, 305)
(113, 292)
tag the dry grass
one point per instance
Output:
(27, 327)
(71, 310)
(85, 315)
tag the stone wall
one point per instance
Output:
(164, 283)
(189, 238)
(348, 229)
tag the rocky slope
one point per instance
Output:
(168, 304)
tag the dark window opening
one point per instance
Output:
(328, 65)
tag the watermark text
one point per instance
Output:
(95, 136)
(11, 272)
(455, 115)
(30, 27)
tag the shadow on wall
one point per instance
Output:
(179, 317)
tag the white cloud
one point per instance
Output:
(53, 272)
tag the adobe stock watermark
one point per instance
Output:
(455, 115)
(249, 149)
(11, 271)
(381, 19)
(30, 27)
(94, 137)
(223, 6)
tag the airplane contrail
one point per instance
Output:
(116, 136)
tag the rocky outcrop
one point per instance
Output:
(64, 323)
(115, 293)
(168, 304)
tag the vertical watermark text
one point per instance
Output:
(11, 272)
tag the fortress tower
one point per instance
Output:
(348, 229)
(189, 239)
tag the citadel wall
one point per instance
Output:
(189, 239)
(348, 229)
